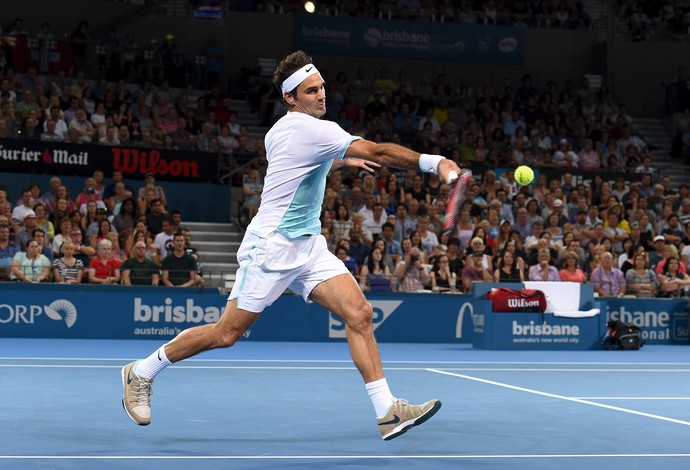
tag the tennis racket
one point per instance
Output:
(456, 198)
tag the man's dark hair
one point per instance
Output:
(287, 67)
(37, 230)
(178, 234)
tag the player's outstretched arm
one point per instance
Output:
(401, 157)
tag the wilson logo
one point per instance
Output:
(522, 303)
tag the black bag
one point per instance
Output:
(623, 336)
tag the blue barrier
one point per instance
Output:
(118, 312)
(535, 330)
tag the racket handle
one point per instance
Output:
(452, 176)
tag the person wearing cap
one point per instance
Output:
(565, 156)
(283, 247)
(29, 223)
(659, 251)
(559, 208)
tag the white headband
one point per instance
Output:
(298, 77)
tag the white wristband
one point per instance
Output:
(429, 163)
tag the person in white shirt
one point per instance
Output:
(374, 224)
(283, 247)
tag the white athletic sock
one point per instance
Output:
(148, 368)
(381, 396)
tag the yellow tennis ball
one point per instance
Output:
(524, 175)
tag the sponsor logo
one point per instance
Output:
(59, 310)
(320, 32)
(395, 420)
(543, 329)
(655, 325)
(138, 162)
(507, 45)
(309, 69)
(48, 157)
(461, 318)
(648, 319)
(396, 38)
(372, 37)
(522, 303)
(382, 309)
(188, 312)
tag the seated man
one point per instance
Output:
(178, 268)
(543, 271)
(139, 270)
(607, 280)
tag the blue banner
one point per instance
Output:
(118, 312)
(662, 321)
(415, 40)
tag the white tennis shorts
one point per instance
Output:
(270, 265)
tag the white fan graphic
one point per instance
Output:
(62, 310)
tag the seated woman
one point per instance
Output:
(104, 269)
(441, 277)
(672, 281)
(571, 271)
(508, 268)
(386, 260)
(641, 281)
(30, 265)
(68, 269)
(478, 244)
(670, 251)
(117, 253)
(375, 275)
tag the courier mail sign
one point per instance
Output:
(31, 156)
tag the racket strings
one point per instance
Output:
(456, 198)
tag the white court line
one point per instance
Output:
(561, 397)
(543, 369)
(333, 457)
(283, 367)
(533, 363)
(633, 398)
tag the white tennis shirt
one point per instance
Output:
(300, 150)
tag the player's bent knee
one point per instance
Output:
(361, 317)
(226, 340)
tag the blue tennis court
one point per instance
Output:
(303, 405)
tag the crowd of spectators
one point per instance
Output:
(647, 19)
(107, 234)
(624, 238)
(602, 198)
(531, 13)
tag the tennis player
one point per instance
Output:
(283, 248)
